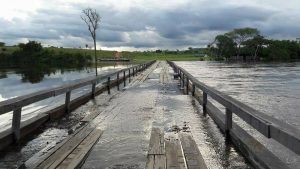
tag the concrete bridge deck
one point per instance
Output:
(145, 126)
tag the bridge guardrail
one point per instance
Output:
(270, 127)
(16, 104)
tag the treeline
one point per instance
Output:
(249, 44)
(32, 54)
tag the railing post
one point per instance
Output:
(228, 121)
(187, 86)
(133, 72)
(16, 123)
(118, 81)
(108, 85)
(193, 90)
(204, 102)
(124, 77)
(67, 101)
(93, 89)
(129, 76)
(182, 87)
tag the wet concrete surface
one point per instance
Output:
(157, 102)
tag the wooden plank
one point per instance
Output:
(174, 155)
(159, 162)
(150, 162)
(58, 156)
(76, 158)
(91, 116)
(156, 145)
(44, 154)
(191, 152)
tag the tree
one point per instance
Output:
(31, 47)
(2, 44)
(255, 45)
(239, 36)
(225, 45)
(92, 20)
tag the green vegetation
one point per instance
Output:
(33, 61)
(248, 44)
(33, 54)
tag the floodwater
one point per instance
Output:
(14, 84)
(272, 88)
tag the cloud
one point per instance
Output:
(136, 24)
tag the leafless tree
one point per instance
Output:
(92, 20)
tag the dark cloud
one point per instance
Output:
(191, 24)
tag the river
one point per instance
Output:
(14, 83)
(272, 88)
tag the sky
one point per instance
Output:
(144, 24)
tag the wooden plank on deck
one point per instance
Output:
(156, 145)
(58, 156)
(75, 159)
(191, 152)
(156, 162)
(174, 155)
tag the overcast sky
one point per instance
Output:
(144, 24)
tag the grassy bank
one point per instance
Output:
(134, 56)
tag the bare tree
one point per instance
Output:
(92, 20)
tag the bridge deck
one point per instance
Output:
(137, 129)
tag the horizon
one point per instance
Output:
(144, 25)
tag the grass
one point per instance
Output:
(134, 56)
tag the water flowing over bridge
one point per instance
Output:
(157, 116)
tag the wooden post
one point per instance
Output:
(204, 102)
(67, 101)
(129, 76)
(228, 121)
(108, 85)
(16, 123)
(124, 77)
(182, 87)
(133, 71)
(193, 90)
(93, 89)
(187, 86)
(136, 71)
(118, 83)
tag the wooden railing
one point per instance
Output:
(17, 103)
(270, 127)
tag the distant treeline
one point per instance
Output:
(32, 54)
(248, 44)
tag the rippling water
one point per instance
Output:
(272, 88)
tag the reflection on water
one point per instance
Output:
(15, 83)
(270, 88)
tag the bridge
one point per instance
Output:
(149, 122)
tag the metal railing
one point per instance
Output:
(270, 127)
(17, 103)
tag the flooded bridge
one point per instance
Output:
(157, 116)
